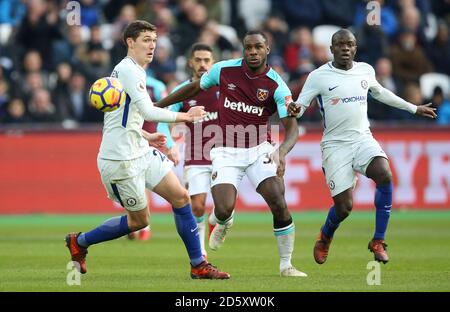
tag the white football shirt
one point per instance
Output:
(342, 98)
(122, 130)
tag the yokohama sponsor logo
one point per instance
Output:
(242, 107)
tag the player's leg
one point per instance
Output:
(131, 195)
(372, 161)
(212, 221)
(341, 179)
(225, 179)
(198, 183)
(336, 214)
(170, 189)
(272, 190)
(142, 234)
(129, 191)
(262, 174)
(224, 196)
(379, 171)
(198, 209)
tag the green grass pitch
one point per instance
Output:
(33, 256)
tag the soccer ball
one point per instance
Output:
(107, 94)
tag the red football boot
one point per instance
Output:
(77, 252)
(378, 247)
(206, 270)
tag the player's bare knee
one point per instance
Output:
(385, 177)
(223, 212)
(180, 199)
(344, 208)
(138, 223)
(198, 209)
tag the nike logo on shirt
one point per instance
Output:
(331, 89)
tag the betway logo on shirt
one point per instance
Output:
(242, 107)
(209, 117)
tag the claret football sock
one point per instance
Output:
(188, 230)
(332, 223)
(110, 229)
(383, 205)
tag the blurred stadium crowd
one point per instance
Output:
(47, 66)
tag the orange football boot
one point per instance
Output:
(321, 248)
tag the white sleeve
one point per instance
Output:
(133, 83)
(385, 96)
(152, 113)
(309, 91)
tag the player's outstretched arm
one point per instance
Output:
(426, 111)
(186, 92)
(290, 138)
(194, 114)
(151, 113)
(387, 97)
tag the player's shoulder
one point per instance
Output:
(229, 63)
(128, 66)
(272, 74)
(323, 69)
(364, 67)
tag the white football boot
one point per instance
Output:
(218, 234)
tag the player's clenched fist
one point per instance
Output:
(294, 109)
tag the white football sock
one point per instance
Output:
(286, 248)
(201, 232)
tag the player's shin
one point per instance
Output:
(218, 234)
(285, 235)
(383, 204)
(188, 230)
(111, 229)
(332, 223)
(212, 221)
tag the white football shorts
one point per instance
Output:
(197, 179)
(340, 162)
(230, 164)
(125, 181)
